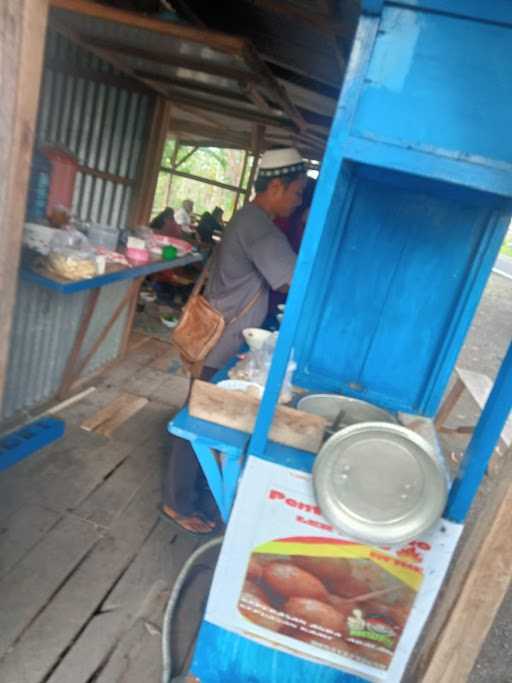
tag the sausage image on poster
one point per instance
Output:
(342, 596)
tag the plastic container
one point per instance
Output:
(169, 252)
(137, 257)
(64, 168)
(38, 237)
(39, 187)
(103, 236)
(71, 256)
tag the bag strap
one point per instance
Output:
(248, 307)
(201, 280)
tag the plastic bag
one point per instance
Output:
(255, 366)
(71, 256)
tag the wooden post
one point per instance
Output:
(150, 167)
(241, 183)
(258, 136)
(173, 166)
(22, 36)
(473, 593)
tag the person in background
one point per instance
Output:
(293, 227)
(183, 217)
(253, 258)
(165, 224)
(209, 224)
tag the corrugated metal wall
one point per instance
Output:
(102, 118)
(102, 122)
(44, 328)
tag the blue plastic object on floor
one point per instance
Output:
(28, 439)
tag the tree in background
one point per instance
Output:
(213, 163)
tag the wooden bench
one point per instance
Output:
(478, 386)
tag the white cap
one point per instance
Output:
(280, 162)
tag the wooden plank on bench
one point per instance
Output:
(238, 410)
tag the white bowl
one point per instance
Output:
(256, 337)
(169, 323)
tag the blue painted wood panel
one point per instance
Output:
(440, 81)
(497, 11)
(224, 657)
(399, 274)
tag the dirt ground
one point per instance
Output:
(483, 351)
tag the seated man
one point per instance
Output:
(253, 258)
(183, 217)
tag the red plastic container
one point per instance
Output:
(62, 179)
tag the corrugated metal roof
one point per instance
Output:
(163, 53)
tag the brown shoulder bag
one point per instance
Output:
(201, 326)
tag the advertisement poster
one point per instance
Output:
(287, 579)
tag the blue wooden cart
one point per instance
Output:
(412, 204)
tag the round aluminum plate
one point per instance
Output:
(354, 410)
(379, 483)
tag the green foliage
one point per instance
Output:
(213, 163)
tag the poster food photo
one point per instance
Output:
(287, 579)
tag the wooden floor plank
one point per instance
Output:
(145, 382)
(166, 360)
(71, 608)
(53, 630)
(103, 632)
(25, 592)
(160, 559)
(108, 411)
(138, 655)
(114, 496)
(148, 425)
(173, 391)
(75, 414)
(64, 488)
(21, 531)
(125, 412)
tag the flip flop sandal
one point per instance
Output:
(195, 516)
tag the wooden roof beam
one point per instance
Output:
(191, 84)
(201, 36)
(228, 110)
(210, 132)
(190, 63)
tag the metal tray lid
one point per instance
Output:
(346, 410)
(379, 483)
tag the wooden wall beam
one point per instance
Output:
(22, 37)
(206, 181)
(149, 169)
(211, 132)
(473, 592)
